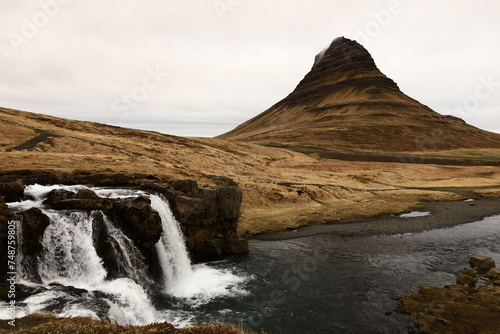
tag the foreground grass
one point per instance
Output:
(49, 324)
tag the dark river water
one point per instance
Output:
(315, 284)
(328, 284)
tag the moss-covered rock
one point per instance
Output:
(455, 308)
(482, 262)
(468, 277)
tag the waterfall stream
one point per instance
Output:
(74, 281)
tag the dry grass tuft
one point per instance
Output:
(49, 324)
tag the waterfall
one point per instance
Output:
(69, 256)
(172, 252)
(198, 283)
(130, 261)
(74, 279)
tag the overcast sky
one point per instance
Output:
(201, 67)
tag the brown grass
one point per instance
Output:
(281, 188)
(49, 324)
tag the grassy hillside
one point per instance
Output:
(282, 188)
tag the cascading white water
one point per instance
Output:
(172, 252)
(181, 279)
(70, 260)
(69, 256)
(130, 258)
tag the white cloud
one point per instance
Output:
(223, 72)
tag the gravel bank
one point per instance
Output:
(441, 215)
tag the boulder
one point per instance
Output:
(34, 223)
(494, 276)
(12, 189)
(87, 194)
(468, 277)
(492, 273)
(482, 262)
(77, 204)
(139, 222)
(58, 195)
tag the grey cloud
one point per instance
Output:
(223, 72)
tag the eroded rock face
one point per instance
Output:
(137, 219)
(208, 217)
(34, 222)
(11, 188)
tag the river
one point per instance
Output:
(316, 284)
(328, 284)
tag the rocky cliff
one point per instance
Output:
(346, 102)
(208, 216)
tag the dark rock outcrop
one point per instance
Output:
(11, 188)
(208, 218)
(139, 222)
(134, 216)
(58, 195)
(34, 223)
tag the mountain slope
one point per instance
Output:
(345, 102)
(282, 188)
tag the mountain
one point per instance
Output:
(346, 102)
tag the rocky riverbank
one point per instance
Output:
(472, 305)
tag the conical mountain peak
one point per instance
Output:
(343, 52)
(346, 102)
